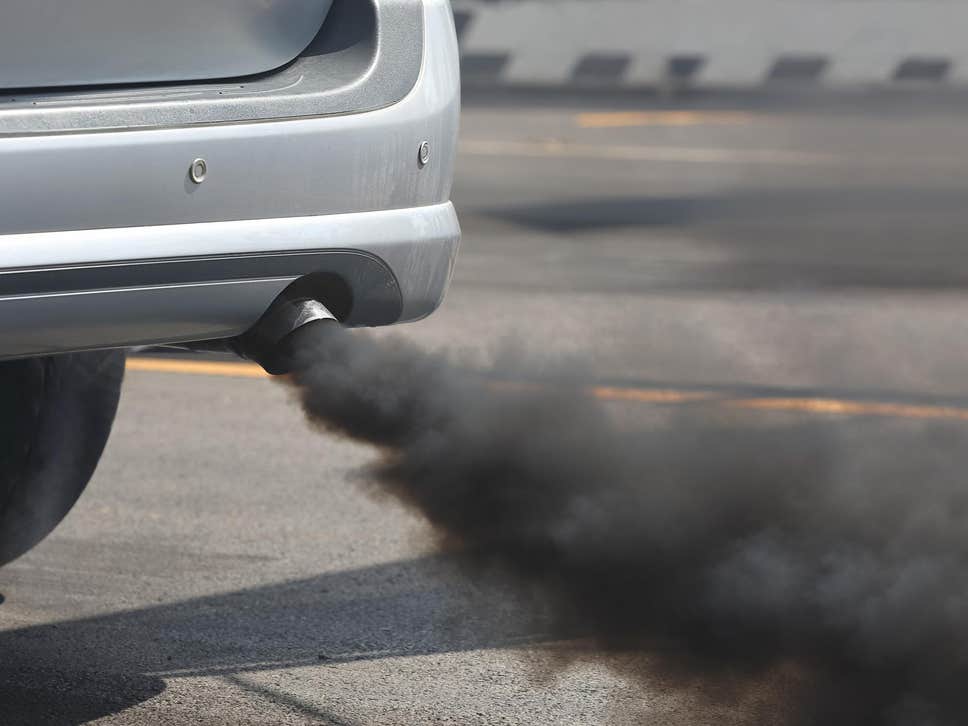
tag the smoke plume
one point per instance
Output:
(733, 555)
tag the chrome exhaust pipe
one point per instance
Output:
(271, 342)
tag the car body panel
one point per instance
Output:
(403, 261)
(367, 56)
(303, 187)
(94, 42)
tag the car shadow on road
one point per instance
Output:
(757, 239)
(76, 671)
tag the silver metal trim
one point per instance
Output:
(423, 154)
(198, 171)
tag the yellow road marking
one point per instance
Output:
(632, 152)
(231, 369)
(647, 395)
(843, 407)
(660, 396)
(618, 119)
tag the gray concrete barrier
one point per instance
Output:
(727, 44)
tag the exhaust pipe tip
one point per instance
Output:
(272, 341)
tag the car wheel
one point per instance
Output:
(55, 416)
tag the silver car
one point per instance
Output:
(211, 173)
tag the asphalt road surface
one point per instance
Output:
(229, 564)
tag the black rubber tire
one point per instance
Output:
(56, 414)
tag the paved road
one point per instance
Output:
(229, 565)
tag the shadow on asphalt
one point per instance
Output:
(76, 671)
(80, 670)
(46, 696)
(766, 239)
(804, 207)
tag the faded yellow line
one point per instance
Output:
(668, 396)
(648, 395)
(843, 407)
(555, 148)
(230, 369)
(615, 393)
(618, 119)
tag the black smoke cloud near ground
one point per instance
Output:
(742, 558)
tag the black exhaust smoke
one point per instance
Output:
(739, 560)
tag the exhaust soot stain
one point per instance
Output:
(736, 559)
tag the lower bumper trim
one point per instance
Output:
(393, 266)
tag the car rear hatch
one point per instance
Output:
(48, 43)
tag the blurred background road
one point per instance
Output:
(229, 564)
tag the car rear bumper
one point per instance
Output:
(105, 239)
(213, 280)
